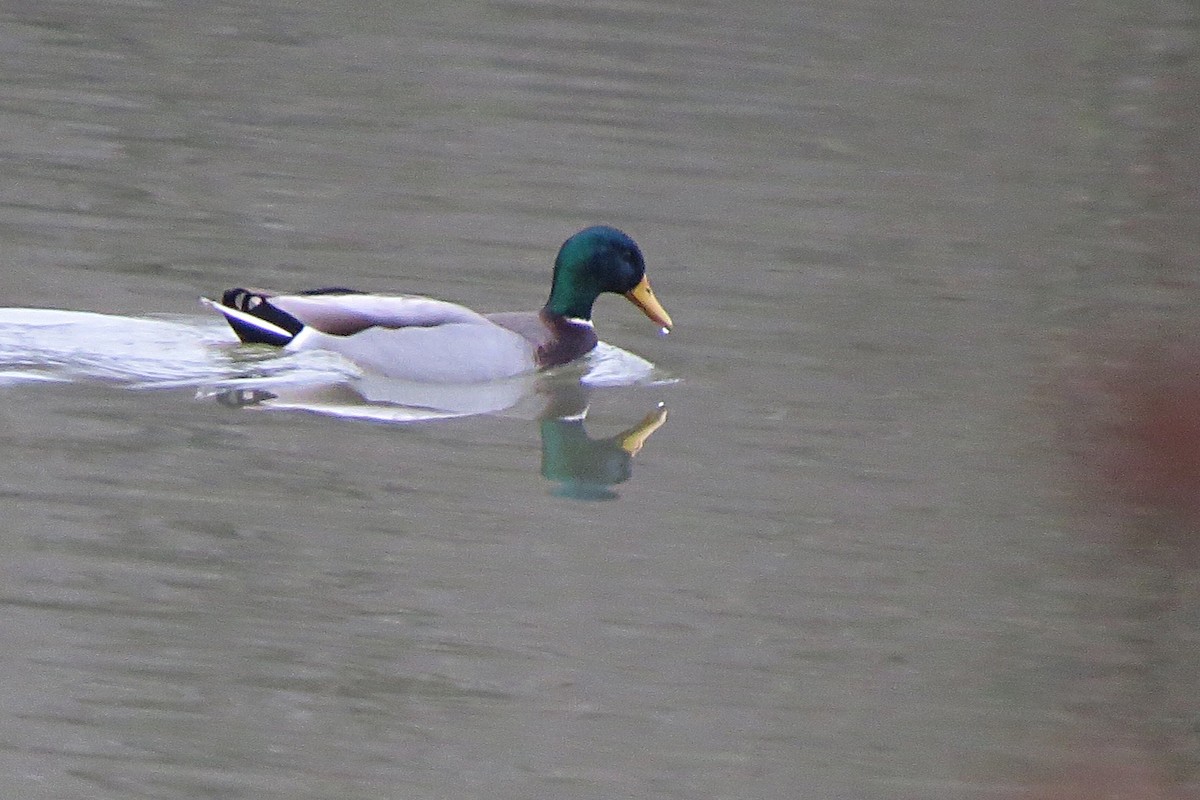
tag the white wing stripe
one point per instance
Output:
(249, 319)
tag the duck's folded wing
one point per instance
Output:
(347, 314)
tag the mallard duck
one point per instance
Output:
(419, 338)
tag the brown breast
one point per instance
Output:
(556, 340)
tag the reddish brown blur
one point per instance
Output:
(1106, 780)
(1132, 418)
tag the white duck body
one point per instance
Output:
(400, 336)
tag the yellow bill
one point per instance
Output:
(643, 297)
(633, 439)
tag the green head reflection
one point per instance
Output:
(585, 468)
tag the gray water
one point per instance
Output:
(859, 558)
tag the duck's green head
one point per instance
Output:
(601, 259)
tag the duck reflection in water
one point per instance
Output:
(584, 468)
(53, 345)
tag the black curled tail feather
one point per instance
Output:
(257, 304)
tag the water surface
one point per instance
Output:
(853, 562)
